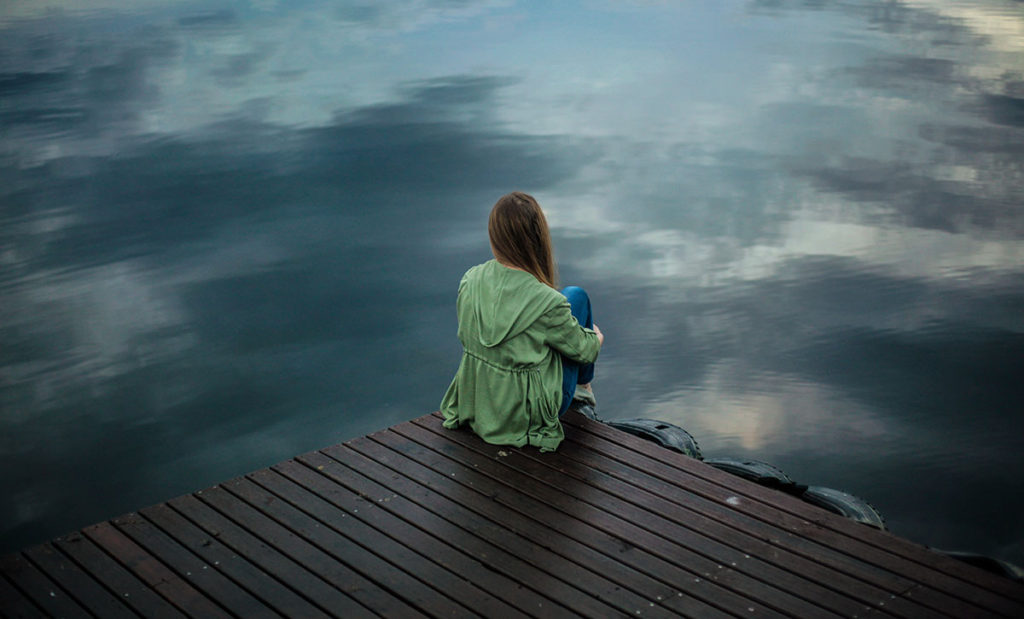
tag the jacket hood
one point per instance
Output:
(497, 303)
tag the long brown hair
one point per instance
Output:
(520, 236)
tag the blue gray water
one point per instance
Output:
(232, 231)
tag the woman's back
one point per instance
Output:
(497, 306)
(517, 332)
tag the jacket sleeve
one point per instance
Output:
(565, 335)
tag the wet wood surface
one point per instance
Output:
(419, 521)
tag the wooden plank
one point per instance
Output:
(606, 544)
(342, 576)
(749, 551)
(152, 571)
(38, 587)
(772, 545)
(613, 581)
(418, 554)
(778, 509)
(393, 581)
(115, 577)
(203, 577)
(417, 520)
(14, 603)
(399, 500)
(306, 582)
(258, 582)
(691, 530)
(931, 565)
(604, 529)
(860, 579)
(89, 593)
(538, 567)
(627, 600)
(597, 454)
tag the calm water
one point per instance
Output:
(231, 232)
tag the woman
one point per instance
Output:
(524, 351)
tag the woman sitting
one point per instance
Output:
(525, 353)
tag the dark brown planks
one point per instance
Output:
(662, 558)
(627, 595)
(696, 533)
(397, 587)
(313, 558)
(748, 544)
(430, 563)
(79, 584)
(415, 504)
(152, 571)
(37, 586)
(552, 575)
(417, 520)
(613, 581)
(862, 579)
(203, 577)
(303, 579)
(941, 576)
(14, 603)
(256, 581)
(321, 497)
(784, 503)
(115, 577)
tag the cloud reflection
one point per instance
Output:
(230, 229)
(249, 270)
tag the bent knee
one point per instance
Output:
(574, 292)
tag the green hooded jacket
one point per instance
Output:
(509, 384)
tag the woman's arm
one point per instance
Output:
(565, 335)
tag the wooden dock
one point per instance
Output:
(418, 521)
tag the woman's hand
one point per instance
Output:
(600, 336)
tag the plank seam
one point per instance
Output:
(427, 509)
(616, 534)
(900, 547)
(61, 587)
(212, 565)
(79, 540)
(708, 600)
(20, 590)
(549, 463)
(184, 574)
(766, 508)
(484, 517)
(277, 546)
(154, 588)
(87, 573)
(366, 573)
(315, 546)
(297, 592)
(312, 502)
(881, 586)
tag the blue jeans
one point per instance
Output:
(575, 373)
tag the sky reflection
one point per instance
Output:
(232, 232)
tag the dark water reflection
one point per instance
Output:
(232, 232)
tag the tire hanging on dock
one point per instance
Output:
(760, 473)
(845, 504)
(989, 564)
(661, 432)
(677, 439)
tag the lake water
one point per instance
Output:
(232, 231)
